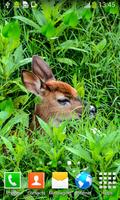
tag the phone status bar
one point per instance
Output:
(18, 4)
(7, 4)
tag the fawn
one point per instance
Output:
(60, 101)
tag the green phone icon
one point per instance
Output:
(12, 180)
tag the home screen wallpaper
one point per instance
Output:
(59, 100)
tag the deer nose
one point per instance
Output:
(92, 111)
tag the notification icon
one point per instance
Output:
(33, 4)
(36, 180)
(25, 4)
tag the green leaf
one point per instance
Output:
(18, 54)
(10, 38)
(48, 30)
(84, 13)
(20, 117)
(13, 62)
(78, 49)
(70, 19)
(68, 43)
(7, 109)
(80, 152)
(8, 144)
(19, 150)
(74, 80)
(2, 98)
(7, 105)
(116, 164)
(8, 64)
(11, 30)
(23, 62)
(101, 45)
(47, 8)
(20, 86)
(90, 139)
(20, 100)
(27, 21)
(3, 116)
(109, 154)
(67, 61)
(60, 132)
(45, 147)
(60, 29)
(79, 86)
(29, 197)
(71, 44)
(60, 196)
(80, 89)
(40, 18)
(108, 139)
(44, 126)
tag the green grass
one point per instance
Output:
(86, 47)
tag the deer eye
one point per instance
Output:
(64, 101)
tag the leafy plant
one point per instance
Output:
(11, 54)
(51, 23)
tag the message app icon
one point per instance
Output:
(36, 180)
(59, 180)
(12, 180)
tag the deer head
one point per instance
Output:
(59, 100)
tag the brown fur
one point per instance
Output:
(62, 87)
(59, 100)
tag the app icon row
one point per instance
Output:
(36, 180)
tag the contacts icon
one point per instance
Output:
(36, 180)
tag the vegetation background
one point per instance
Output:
(81, 44)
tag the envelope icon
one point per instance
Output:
(59, 180)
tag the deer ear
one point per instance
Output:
(41, 69)
(31, 82)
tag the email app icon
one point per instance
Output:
(59, 180)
